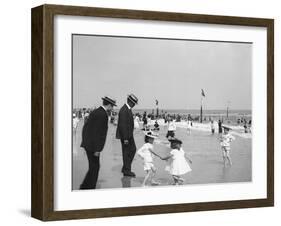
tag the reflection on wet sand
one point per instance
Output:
(202, 148)
(126, 182)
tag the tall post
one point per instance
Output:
(157, 110)
(201, 110)
(227, 109)
(227, 112)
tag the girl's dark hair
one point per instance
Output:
(173, 145)
(147, 139)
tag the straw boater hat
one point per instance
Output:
(109, 100)
(133, 98)
(226, 128)
(150, 134)
(175, 141)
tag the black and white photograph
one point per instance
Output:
(140, 112)
(150, 112)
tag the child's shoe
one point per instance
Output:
(155, 182)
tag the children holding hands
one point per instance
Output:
(178, 165)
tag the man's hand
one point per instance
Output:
(96, 154)
(126, 142)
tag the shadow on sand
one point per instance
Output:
(126, 182)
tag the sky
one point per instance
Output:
(171, 71)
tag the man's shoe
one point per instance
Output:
(129, 174)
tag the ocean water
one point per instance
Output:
(241, 113)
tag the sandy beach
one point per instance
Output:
(201, 146)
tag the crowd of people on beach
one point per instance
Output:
(94, 134)
(146, 118)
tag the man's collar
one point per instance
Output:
(128, 106)
(104, 108)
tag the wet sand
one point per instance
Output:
(201, 146)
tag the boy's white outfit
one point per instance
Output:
(172, 126)
(225, 141)
(145, 153)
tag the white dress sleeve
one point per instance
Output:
(173, 153)
(140, 151)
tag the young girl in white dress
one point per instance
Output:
(189, 126)
(146, 153)
(178, 166)
(136, 122)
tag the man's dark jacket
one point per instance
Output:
(95, 130)
(125, 127)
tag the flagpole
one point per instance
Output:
(157, 109)
(201, 109)
(157, 112)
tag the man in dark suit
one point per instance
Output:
(93, 139)
(125, 132)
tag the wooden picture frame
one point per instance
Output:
(42, 203)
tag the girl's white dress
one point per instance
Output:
(75, 122)
(188, 125)
(136, 122)
(179, 165)
(146, 156)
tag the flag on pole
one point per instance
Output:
(202, 93)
